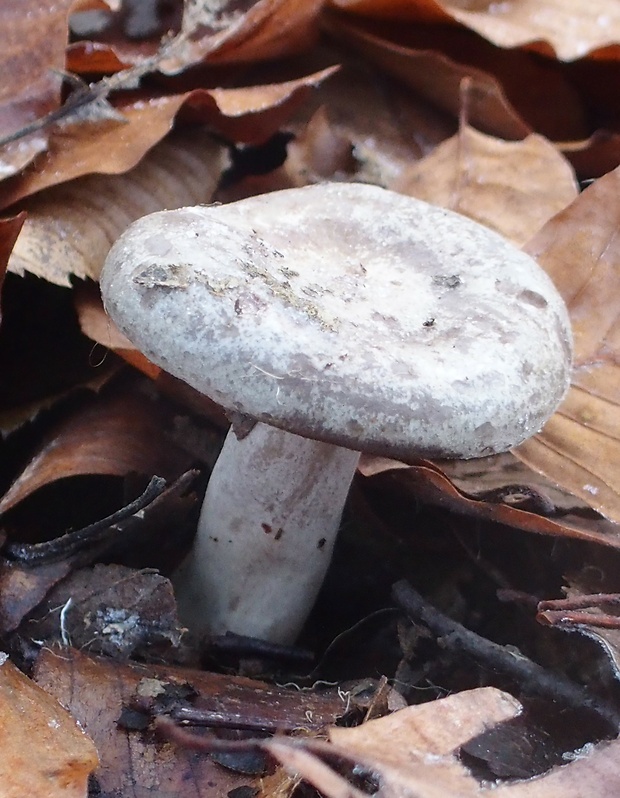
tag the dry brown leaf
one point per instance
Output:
(570, 30)
(34, 35)
(44, 751)
(250, 115)
(359, 125)
(573, 29)
(363, 123)
(119, 612)
(434, 729)
(23, 588)
(502, 475)
(71, 227)
(580, 446)
(437, 78)
(511, 187)
(134, 763)
(241, 32)
(509, 90)
(116, 434)
(411, 752)
(415, 752)
(268, 29)
(428, 484)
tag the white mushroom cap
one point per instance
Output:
(348, 314)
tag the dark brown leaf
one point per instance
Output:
(134, 763)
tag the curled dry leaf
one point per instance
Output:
(595, 156)
(44, 751)
(363, 123)
(117, 434)
(580, 445)
(221, 32)
(268, 29)
(411, 752)
(513, 187)
(415, 751)
(570, 30)
(249, 115)
(437, 728)
(508, 90)
(427, 483)
(436, 77)
(71, 227)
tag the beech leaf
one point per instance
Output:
(579, 447)
(71, 227)
(44, 751)
(512, 187)
(568, 30)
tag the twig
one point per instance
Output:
(580, 602)
(216, 719)
(532, 678)
(244, 647)
(73, 542)
(565, 618)
(99, 91)
(169, 729)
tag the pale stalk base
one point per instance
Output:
(265, 536)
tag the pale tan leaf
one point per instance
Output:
(411, 752)
(414, 752)
(437, 728)
(579, 448)
(594, 774)
(44, 752)
(513, 187)
(71, 227)
(570, 30)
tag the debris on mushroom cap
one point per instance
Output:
(350, 314)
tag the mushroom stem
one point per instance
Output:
(265, 536)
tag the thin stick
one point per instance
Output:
(532, 678)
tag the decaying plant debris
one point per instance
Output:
(467, 636)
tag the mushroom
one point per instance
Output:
(339, 318)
